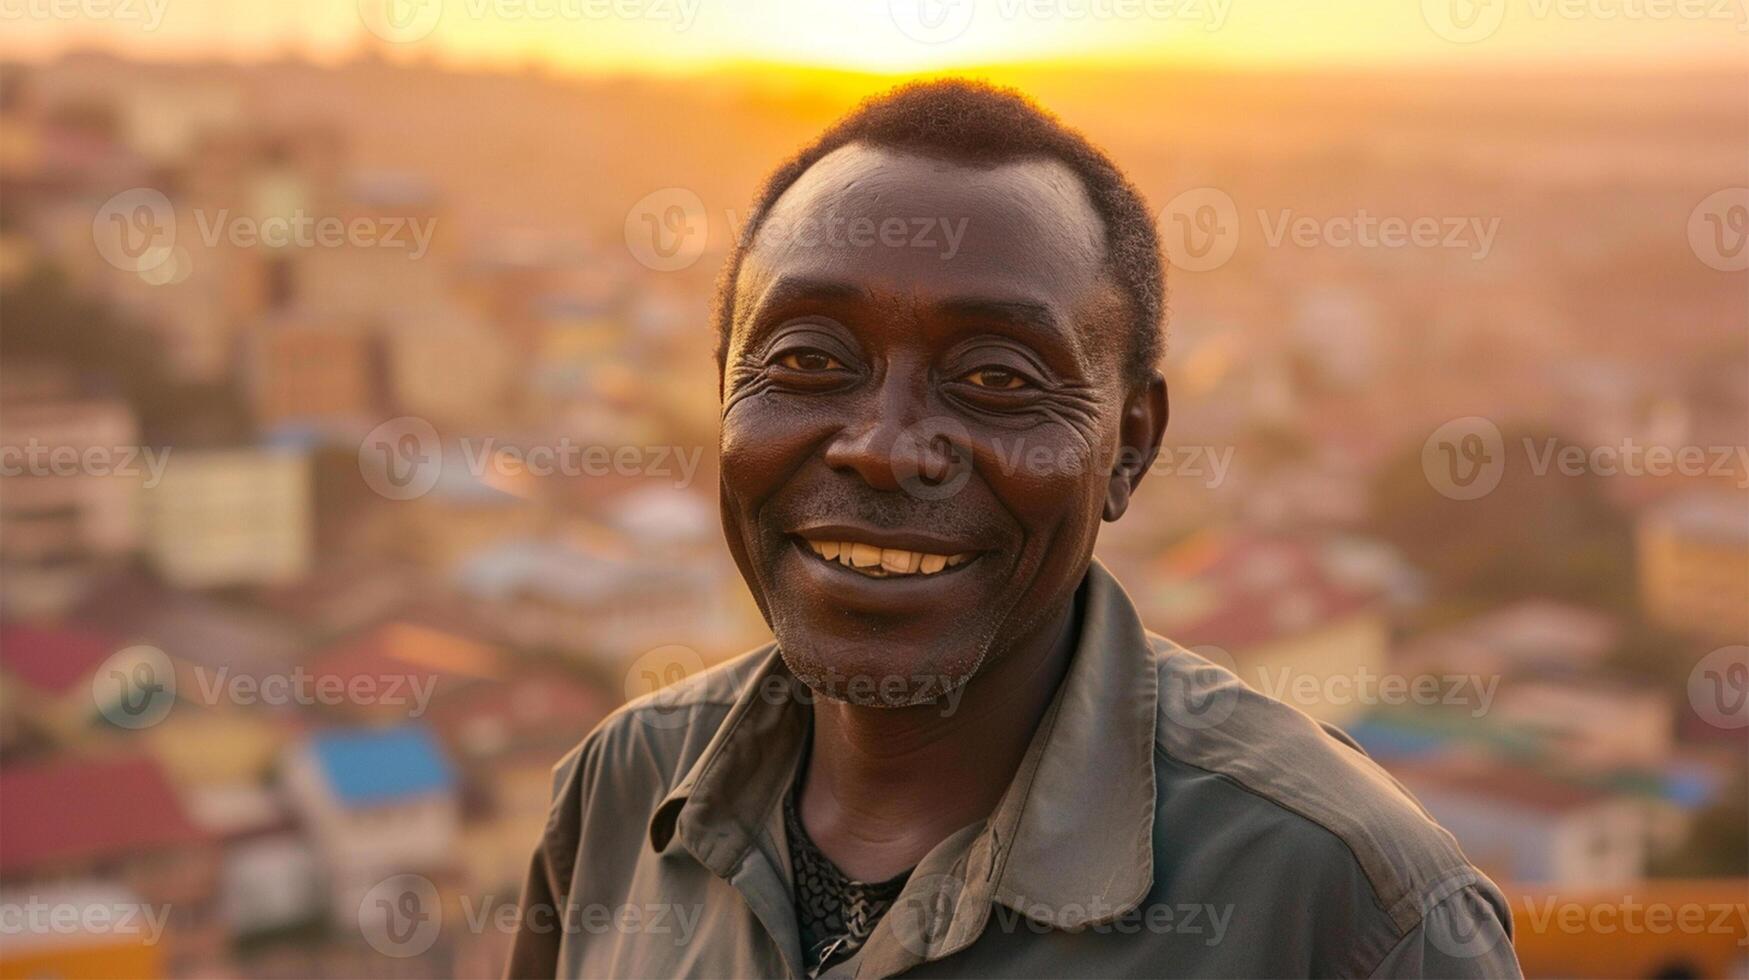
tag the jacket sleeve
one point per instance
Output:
(1466, 935)
(534, 952)
(535, 948)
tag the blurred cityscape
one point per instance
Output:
(359, 427)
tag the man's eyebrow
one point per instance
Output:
(785, 290)
(1035, 319)
(1023, 312)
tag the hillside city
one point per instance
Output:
(358, 425)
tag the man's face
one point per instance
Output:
(922, 404)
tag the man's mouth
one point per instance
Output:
(875, 561)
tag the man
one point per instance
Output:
(964, 755)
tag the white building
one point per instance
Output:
(377, 802)
(1522, 826)
(230, 517)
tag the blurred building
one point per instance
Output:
(446, 366)
(1521, 825)
(1592, 722)
(270, 884)
(574, 344)
(195, 630)
(74, 472)
(1525, 636)
(402, 261)
(120, 822)
(1693, 553)
(240, 177)
(471, 505)
(377, 802)
(525, 283)
(505, 739)
(404, 667)
(216, 748)
(1281, 610)
(270, 881)
(122, 947)
(224, 517)
(303, 371)
(602, 603)
(47, 672)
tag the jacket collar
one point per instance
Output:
(1071, 841)
(1075, 842)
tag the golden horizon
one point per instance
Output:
(895, 39)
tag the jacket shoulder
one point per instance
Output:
(632, 760)
(1320, 781)
(652, 740)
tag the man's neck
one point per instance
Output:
(885, 785)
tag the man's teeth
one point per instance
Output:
(873, 560)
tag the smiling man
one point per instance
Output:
(963, 755)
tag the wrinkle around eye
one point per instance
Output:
(1072, 407)
(744, 380)
(1083, 426)
(1076, 407)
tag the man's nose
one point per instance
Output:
(895, 443)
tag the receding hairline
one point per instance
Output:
(973, 124)
(1082, 200)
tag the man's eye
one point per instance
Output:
(999, 378)
(810, 360)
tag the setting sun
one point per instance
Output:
(893, 36)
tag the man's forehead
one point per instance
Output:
(930, 229)
(869, 181)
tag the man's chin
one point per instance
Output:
(881, 674)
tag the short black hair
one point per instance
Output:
(982, 125)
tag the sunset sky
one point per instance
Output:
(901, 36)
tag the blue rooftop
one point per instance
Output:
(1383, 740)
(365, 767)
(1691, 787)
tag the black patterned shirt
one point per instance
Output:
(835, 914)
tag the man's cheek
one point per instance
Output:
(1041, 481)
(758, 451)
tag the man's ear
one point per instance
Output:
(1143, 425)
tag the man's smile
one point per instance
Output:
(883, 554)
(918, 578)
(877, 562)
